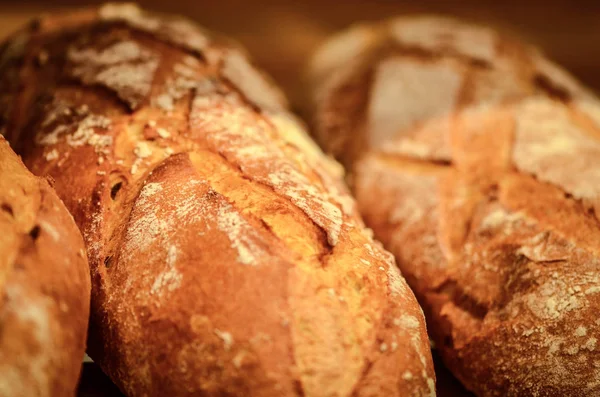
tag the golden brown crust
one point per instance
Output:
(373, 82)
(227, 257)
(44, 287)
(488, 203)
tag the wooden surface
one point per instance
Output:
(281, 35)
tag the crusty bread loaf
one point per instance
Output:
(227, 257)
(44, 287)
(489, 202)
(373, 82)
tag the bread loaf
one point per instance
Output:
(44, 287)
(476, 162)
(374, 82)
(227, 257)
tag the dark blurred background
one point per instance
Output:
(281, 34)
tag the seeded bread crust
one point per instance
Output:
(44, 287)
(227, 257)
(475, 162)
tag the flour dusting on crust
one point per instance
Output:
(550, 145)
(235, 132)
(77, 126)
(251, 83)
(406, 92)
(446, 35)
(410, 325)
(169, 279)
(239, 233)
(152, 228)
(19, 378)
(184, 78)
(124, 67)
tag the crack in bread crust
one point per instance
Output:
(485, 301)
(227, 255)
(486, 198)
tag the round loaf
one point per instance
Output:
(487, 199)
(227, 257)
(44, 287)
(373, 82)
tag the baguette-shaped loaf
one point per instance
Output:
(489, 202)
(227, 257)
(44, 287)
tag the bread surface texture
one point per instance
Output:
(374, 82)
(227, 257)
(44, 286)
(475, 162)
